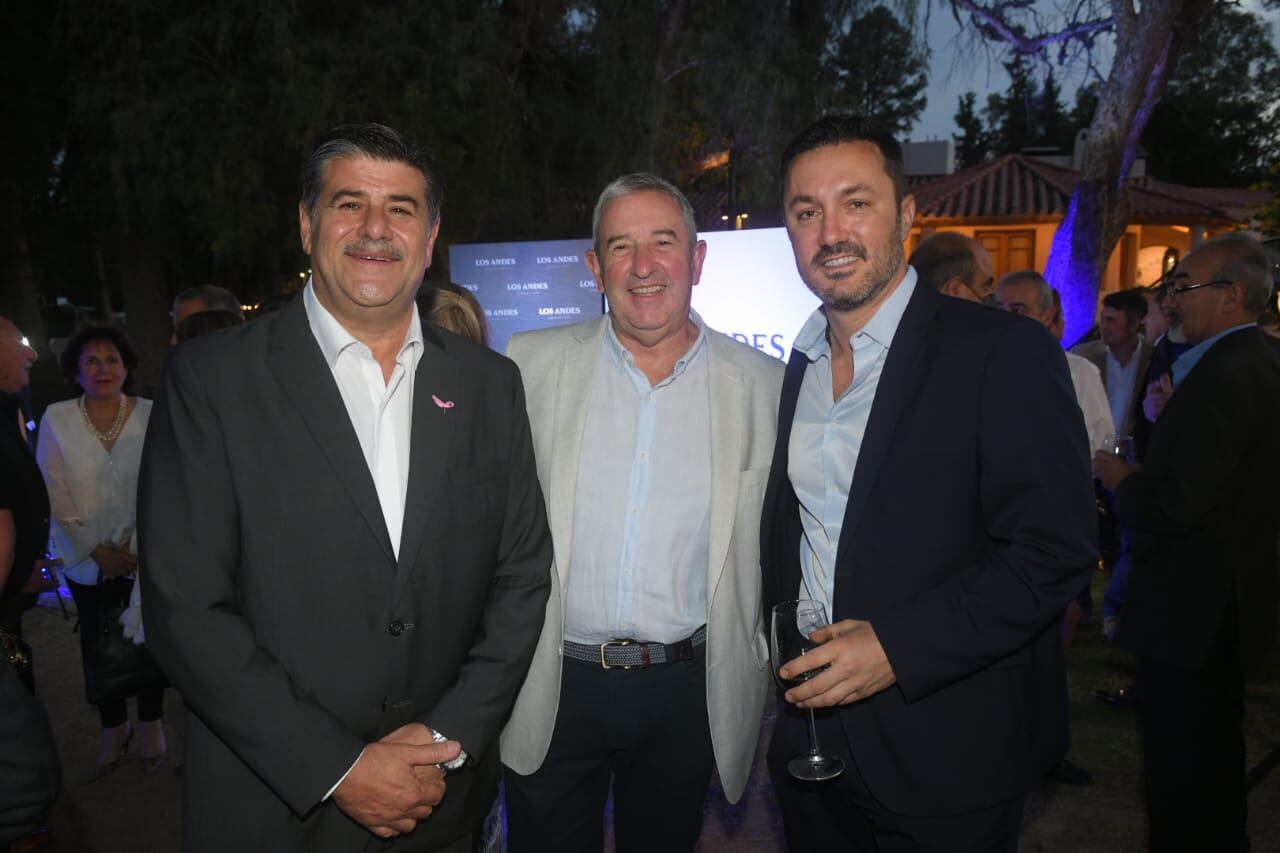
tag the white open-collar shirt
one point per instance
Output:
(381, 412)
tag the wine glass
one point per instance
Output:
(1117, 444)
(793, 624)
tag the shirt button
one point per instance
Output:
(396, 628)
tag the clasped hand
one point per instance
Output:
(395, 784)
(856, 667)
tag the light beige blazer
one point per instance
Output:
(558, 366)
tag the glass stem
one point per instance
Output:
(813, 735)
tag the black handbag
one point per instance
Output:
(115, 668)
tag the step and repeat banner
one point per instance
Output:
(749, 288)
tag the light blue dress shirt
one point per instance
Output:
(642, 511)
(1183, 364)
(826, 434)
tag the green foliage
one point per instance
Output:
(176, 130)
(879, 70)
(973, 145)
(1218, 124)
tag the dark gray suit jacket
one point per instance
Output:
(275, 604)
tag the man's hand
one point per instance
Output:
(416, 734)
(114, 562)
(857, 667)
(42, 579)
(393, 786)
(1111, 469)
(1157, 397)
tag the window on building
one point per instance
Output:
(1009, 250)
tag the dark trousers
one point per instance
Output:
(645, 728)
(91, 600)
(844, 815)
(1193, 749)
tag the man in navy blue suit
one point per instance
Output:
(931, 485)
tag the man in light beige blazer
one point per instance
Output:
(653, 435)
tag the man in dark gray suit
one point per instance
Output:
(345, 551)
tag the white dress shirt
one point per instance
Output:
(1092, 397)
(826, 434)
(1120, 382)
(381, 411)
(93, 494)
(642, 515)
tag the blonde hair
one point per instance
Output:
(455, 309)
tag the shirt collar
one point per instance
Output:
(334, 338)
(883, 325)
(624, 358)
(1184, 363)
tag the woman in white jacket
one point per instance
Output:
(90, 449)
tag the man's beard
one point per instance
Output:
(878, 276)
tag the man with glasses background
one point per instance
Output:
(1202, 598)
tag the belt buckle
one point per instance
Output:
(619, 643)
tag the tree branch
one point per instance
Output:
(993, 22)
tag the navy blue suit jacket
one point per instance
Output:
(970, 525)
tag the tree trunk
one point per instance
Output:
(146, 305)
(1147, 46)
(21, 300)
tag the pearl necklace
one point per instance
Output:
(111, 434)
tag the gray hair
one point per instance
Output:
(641, 182)
(1244, 260)
(378, 142)
(1044, 293)
(212, 297)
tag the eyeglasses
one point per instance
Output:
(1177, 289)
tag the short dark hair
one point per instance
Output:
(1130, 301)
(204, 322)
(838, 129)
(942, 257)
(212, 297)
(69, 361)
(378, 142)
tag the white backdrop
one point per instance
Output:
(750, 289)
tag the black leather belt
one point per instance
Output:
(633, 654)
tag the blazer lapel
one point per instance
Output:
(307, 381)
(432, 436)
(903, 373)
(573, 395)
(727, 424)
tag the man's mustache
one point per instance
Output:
(382, 248)
(826, 253)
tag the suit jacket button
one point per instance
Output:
(396, 628)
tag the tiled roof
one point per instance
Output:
(1019, 187)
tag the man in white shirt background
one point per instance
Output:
(1121, 353)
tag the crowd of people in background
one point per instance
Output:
(689, 454)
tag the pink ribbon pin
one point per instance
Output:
(444, 404)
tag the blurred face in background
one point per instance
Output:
(101, 373)
(1117, 331)
(1155, 324)
(16, 358)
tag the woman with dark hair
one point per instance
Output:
(89, 450)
